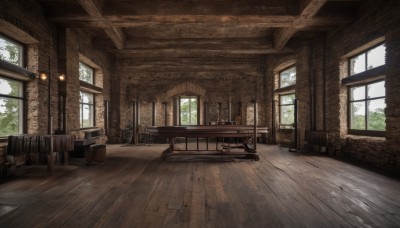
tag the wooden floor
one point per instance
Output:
(134, 188)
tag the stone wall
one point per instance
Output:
(54, 50)
(215, 88)
(376, 21)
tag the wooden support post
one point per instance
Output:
(165, 113)
(153, 113)
(229, 111)
(255, 125)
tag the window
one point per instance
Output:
(286, 111)
(287, 77)
(366, 92)
(367, 107)
(85, 73)
(86, 101)
(188, 110)
(11, 51)
(86, 106)
(11, 107)
(369, 59)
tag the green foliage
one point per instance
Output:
(188, 111)
(9, 52)
(85, 73)
(10, 109)
(376, 121)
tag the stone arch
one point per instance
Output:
(186, 87)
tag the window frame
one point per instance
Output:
(92, 105)
(190, 106)
(366, 60)
(23, 112)
(364, 132)
(87, 88)
(281, 125)
(92, 70)
(21, 48)
(280, 78)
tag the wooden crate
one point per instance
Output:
(96, 153)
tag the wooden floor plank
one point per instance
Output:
(135, 188)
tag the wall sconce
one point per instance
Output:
(61, 77)
(43, 76)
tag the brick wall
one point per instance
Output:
(55, 50)
(376, 20)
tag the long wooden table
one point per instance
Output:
(247, 134)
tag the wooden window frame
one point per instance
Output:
(364, 132)
(21, 50)
(23, 118)
(366, 60)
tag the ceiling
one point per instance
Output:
(200, 28)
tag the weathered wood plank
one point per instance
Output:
(134, 188)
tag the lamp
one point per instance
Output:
(61, 77)
(43, 75)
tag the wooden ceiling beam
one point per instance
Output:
(309, 8)
(271, 21)
(117, 35)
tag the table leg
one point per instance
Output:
(65, 157)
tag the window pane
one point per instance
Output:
(357, 115)
(376, 57)
(185, 116)
(10, 51)
(87, 116)
(357, 64)
(86, 109)
(357, 93)
(85, 73)
(287, 114)
(376, 115)
(193, 111)
(86, 98)
(11, 116)
(376, 89)
(288, 77)
(188, 110)
(287, 99)
(11, 87)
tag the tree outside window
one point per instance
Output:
(86, 104)
(85, 73)
(287, 77)
(287, 110)
(11, 107)
(10, 51)
(367, 107)
(188, 110)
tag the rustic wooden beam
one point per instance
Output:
(117, 35)
(282, 36)
(309, 8)
(93, 8)
(268, 21)
(195, 52)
